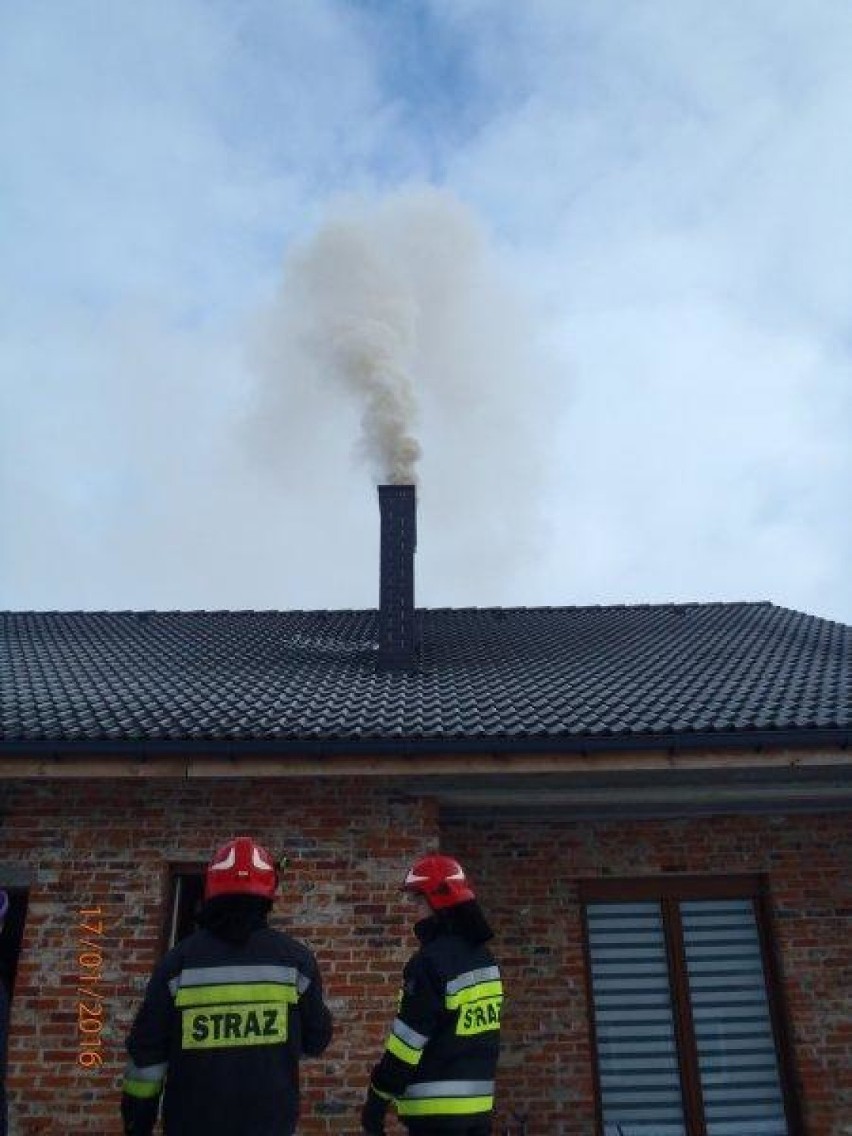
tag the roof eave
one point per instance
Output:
(232, 749)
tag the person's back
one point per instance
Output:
(439, 1064)
(227, 1015)
(463, 1050)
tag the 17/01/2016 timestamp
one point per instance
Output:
(90, 1004)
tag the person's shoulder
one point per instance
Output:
(430, 958)
(175, 958)
(199, 949)
(456, 953)
(286, 944)
(482, 954)
(434, 948)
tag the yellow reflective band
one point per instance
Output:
(474, 993)
(261, 1023)
(444, 1106)
(141, 1089)
(236, 992)
(479, 1017)
(406, 1053)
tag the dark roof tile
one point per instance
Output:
(486, 675)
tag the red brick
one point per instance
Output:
(349, 843)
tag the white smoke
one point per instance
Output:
(358, 303)
(398, 312)
(358, 317)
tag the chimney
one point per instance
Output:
(397, 640)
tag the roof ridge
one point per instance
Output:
(141, 612)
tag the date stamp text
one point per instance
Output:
(90, 1003)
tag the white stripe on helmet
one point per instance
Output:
(228, 862)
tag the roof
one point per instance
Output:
(498, 679)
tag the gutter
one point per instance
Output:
(144, 749)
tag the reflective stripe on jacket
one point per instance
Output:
(220, 1033)
(441, 1053)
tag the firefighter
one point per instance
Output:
(227, 1015)
(440, 1059)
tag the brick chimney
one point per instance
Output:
(397, 637)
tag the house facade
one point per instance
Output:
(653, 803)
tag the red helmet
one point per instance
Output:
(441, 880)
(241, 867)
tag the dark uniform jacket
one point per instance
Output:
(440, 1059)
(4, 1039)
(224, 1024)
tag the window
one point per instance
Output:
(685, 1012)
(186, 891)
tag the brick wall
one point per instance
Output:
(529, 873)
(108, 846)
(349, 842)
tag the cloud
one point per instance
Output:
(658, 303)
(405, 297)
(671, 190)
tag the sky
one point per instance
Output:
(597, 255)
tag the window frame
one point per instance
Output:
(170, 921)
(670, 891)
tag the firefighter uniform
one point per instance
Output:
(440, 1059)
(220, 1033)
(224, 1025)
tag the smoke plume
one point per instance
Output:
(397, 331)
(356, 315)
